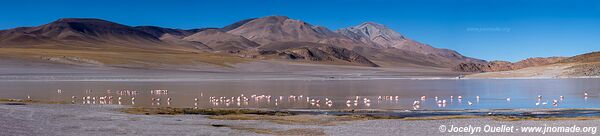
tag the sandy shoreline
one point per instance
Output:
(68, 119)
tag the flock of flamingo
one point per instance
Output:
(129, 96)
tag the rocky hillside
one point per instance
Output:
(505, 65)
(308, 51)
(159, 31)
(586, 65)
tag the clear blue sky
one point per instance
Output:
(509, 30)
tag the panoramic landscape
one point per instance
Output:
(280, 70)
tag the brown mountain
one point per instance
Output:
(283, 29)
(505, 65)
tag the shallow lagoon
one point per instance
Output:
(493, 93)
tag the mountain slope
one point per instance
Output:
(382, 36)
(505, 65)
(177, 40)
(584, 65)
(219, 40)
(323, 53)
(283, 29)
(159, 31)
(399, 47)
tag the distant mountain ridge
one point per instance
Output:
(494, 66)
(271, 37)
(583, 65)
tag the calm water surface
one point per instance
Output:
(493, 93)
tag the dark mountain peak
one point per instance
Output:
(83, 25)
(85, 22)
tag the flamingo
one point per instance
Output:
(415, 103)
